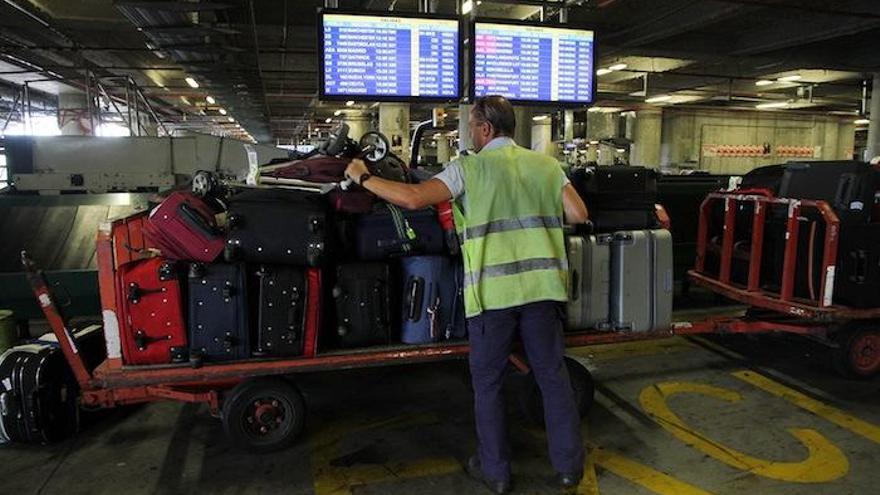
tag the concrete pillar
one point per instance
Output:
(464, 134)
(542, 137)
(394, 124)
(568, 125)
(830, 139)
(73, 114)
(873, 145)
(647, 138)
(846, 140)
(523, 132)
(442, 149)
(358, 125)
(601, 125)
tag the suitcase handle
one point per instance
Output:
(844, 191)
(142, 341)
(135, 292)
(575, 286)
(380, 301)
(861, 271)
(415, 294)
(195, 220)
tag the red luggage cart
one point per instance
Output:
(852, 334)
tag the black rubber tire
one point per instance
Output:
(857, 354)
(240, 410)
(531, 403)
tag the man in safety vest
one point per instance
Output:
(509, 207)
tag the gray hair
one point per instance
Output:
(497, 111)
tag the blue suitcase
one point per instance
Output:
(433, 305)
(218, 319)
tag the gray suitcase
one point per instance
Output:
(641, 280)
(589, 265)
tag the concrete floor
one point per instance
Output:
(674, 416)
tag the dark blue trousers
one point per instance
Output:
(540, 328)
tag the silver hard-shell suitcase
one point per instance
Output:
(589, 265)
(641, 280)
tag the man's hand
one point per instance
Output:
(356, 169)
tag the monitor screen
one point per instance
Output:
(530, 63)
(389, 57)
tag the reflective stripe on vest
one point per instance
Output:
(514, 268)
(511, 224)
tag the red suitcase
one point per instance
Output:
(153, 328)
(183, 227)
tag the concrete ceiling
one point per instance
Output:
(258, 60)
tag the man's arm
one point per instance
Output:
(573, 205)
(408, 196)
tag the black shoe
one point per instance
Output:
(475, 472)
(569, 480)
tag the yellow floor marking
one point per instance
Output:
(340, 480)
(589, 485)
(642, 475)
(825, 462)
(626, 350)
(832, 414)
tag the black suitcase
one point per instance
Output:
(857, 279)
(768, 177)
(389, 231)
(38, 395)
(281, 308)
(847, 186)
(363, 295)
(616, 187)
(277, 226)
(218, 316)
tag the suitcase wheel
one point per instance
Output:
(342, 331)
(234, 221)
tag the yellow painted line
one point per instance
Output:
(824, 462)
(341, 480)
(644, 476)
(832, 414)
(589, 485)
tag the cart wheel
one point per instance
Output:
(532, 405)
(264, 415)
(858, 353)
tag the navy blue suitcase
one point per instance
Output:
(389, 232)
(218, 317)
(433, 305)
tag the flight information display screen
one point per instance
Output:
(534, 63)
(389, 57)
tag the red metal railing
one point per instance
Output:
(760, 204)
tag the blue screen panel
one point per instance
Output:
(376, 57)
(534, 63)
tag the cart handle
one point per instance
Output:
(40, 287)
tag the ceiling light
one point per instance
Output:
(210, 99)
(763, 82)
(337, 113)
(795, 77)
(775, 104)
(658, 99)
(538, 118)
(192, 82)
(184, 100)
(594, 142)
(862, 122)
(618, 67)
(467, 6)
(595, 109)
(349, 103)
(230, 119)
(222, 111)
(329, 119)
(602, 72)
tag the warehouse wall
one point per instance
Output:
(688, 135)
